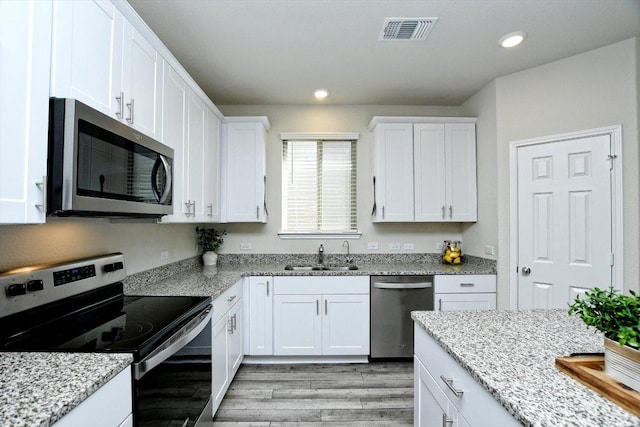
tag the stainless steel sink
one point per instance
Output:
(321, 267)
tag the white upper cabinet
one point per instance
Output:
(87, 53)
(424, 169)
(244, 170)
(25, 48)
(100, 59)
(212, 212)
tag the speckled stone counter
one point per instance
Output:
(512, 354)
(191, 279)
(38, 389)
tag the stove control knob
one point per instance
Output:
(108, 268)
(113, 335)
(16, 289)
(35, 285)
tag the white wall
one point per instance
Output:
(594, 89)
(329, 118)
(63, 239)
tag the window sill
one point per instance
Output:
(316, 236)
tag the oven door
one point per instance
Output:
(172, 386)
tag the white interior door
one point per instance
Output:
(564, 220)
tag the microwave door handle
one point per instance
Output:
(161, 160)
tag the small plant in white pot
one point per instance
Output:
(617, 316)
(209, 240)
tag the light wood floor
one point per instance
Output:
(319, 394)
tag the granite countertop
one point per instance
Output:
(38, 389)
(197, 280)
(512, 354)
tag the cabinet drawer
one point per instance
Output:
(475, 403)
(226, 300)
(316, 285)
(462, 283)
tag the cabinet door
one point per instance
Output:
(196, 135)
(220, 369)
(244, 172)
(460, 146)
(467, 301)
(297, 325)
(429, 166)
(86, 55)
(25, 31)
(393, 169)
(260, 316)
(212, 168)
(236, 353)
(141, 83)
(431, 405)
(174, 134)
(345, 324)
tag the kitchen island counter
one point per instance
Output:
(38, 389)
(512, 355)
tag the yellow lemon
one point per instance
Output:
(447, 258)
(454, 254)
(456, 261)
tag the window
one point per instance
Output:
(319, 186)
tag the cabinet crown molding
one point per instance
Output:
(418, 119)
(249, 119)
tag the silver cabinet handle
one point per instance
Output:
(230, 325)
(439, 304)
(234, 323)
(120, 99)
(193, 204)
(267, 288)
(325, 307)
(450, 211)
(449, 382)
(210, 207)
(257, 212)
(231, 298)
(382, 212)
(43, 187)
(442, 211)
(318, 307)
(187, 205)
(446, 421)
(467, 285)
(130, 106)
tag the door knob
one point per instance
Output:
(526, 271)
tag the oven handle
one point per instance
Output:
(141, 368)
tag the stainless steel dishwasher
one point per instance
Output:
(393, 298)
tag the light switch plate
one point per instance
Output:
(164, 255)
(439, 246)
(245, 246)
(408, 246)
(394, 246)
(372, 246)
(489, 250)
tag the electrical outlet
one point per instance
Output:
(408, 246)
(394, 246)
(245, 246)
(372, 246)
(489, 250)
(164, 255)
(439, 246)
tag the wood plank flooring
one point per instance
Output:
(319, 394)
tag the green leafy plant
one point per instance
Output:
(612, 313)
(209, 239)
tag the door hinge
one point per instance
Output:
(612, 259)
(611, 158)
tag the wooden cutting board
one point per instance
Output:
(589, 370)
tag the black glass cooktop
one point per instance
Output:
(115, 324)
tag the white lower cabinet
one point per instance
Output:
(321, 316)
(464, 292)
(226, 342)
(445, 394)
(258, 299)
(110, 406)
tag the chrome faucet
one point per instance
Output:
(321, 254)
(349, 259)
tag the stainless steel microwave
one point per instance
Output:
(98, 166)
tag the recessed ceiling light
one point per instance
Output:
(512, 39)
(321, 93)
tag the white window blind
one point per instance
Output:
(319, 186)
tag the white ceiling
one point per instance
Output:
(279, 51)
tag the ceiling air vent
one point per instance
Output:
(406, 28)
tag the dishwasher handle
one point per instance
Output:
(400, 285)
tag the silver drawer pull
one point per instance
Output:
(231, 298)
(449, 382)
(467, 284)
(446, 421)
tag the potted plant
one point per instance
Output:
(209, 240)
(617, 316)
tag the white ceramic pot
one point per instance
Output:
(210, 258)
(622, 363)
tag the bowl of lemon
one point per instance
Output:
(452, 252)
